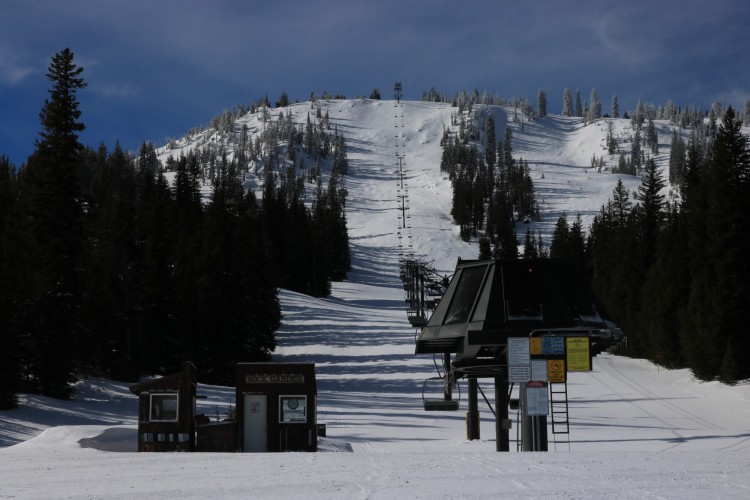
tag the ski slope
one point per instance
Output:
(637, 431)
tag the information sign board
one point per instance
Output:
(539, 370)
(519, 373)
(578, 356)
(537, 399)
(554, 346)
(518, 351)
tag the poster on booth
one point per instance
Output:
(293, 409)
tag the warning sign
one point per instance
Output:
(555, 370)
(579, 359)
(535, 346)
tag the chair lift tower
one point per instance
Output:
(489, 302)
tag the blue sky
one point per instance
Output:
(157, 68)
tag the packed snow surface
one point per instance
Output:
(637, 431)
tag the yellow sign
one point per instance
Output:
(535, 345)
(555, 370)
(577, 349)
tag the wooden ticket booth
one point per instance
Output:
(276, 407)
(166, 415)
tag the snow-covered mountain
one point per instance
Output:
(636, 430)
(558, 149)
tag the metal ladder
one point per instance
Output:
(558, 402)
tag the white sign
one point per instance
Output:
(539, 370)
(537, 400)
(518, 351)
(519, 373)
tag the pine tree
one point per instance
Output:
(615, 111)
(595, 109)
(729, 242)
(635, 153)
(567, 103)
(611, 139)
(283, 101)
(577, 243)
(559, 246)
(507, 147)
(541, 103)
(57, 232)
(530, 245)
(651, 210)
(10, 370)
(676, 158)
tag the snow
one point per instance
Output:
(637, 431)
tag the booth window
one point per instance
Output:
(293, 409)
(163, 407)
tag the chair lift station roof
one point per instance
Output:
(488, 301)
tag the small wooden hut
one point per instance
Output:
(166, 414)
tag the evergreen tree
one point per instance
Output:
(559, 246)
(485, 248)
(567, 103)
(636, 153)
(57, 233)
(283, 101)
(615, 111)
(595, 109)
(577, 243)
(676, 158)
(10, 369)
(651, 209)
(579, 106)
(507, 147)
(611, 139)
(541, 103)
(729, 243)
(530, 245)
(700, 347)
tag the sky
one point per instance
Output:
(154, 70)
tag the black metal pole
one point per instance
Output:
(472, 425)
(501, 413)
